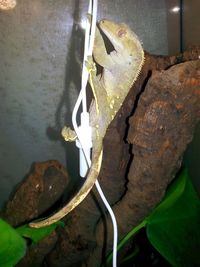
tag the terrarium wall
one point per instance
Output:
(191, 37)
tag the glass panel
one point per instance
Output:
(191, 37)
(191, 23)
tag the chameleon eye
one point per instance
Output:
(121, 33)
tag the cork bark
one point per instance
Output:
(143, 150)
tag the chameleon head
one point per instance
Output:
(123, 39)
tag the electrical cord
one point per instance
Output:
(88, 47)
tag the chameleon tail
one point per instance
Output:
(78, 198)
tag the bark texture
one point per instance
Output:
(37, 193)
(160, 129)
(158, 119)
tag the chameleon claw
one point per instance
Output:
(68, 134)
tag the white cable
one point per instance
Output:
(93, 27)
(84, 78)
(88, 47)
(114, 222)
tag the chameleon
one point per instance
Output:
(120, 69)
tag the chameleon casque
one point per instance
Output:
(121, 68)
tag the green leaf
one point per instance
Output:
(12, 245)
(132, 255)
(173, 227)
(37, 234)
(171, 196)
(125, 239)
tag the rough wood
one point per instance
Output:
(160, 130)
(158, 118)
(39, 190)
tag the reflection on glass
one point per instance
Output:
(7, 4)
(175, 9)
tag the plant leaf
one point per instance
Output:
(173, 227)
(132, 255)
(12, 245)
(37, 234)
(125, 239)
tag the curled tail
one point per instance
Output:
(78, 198)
